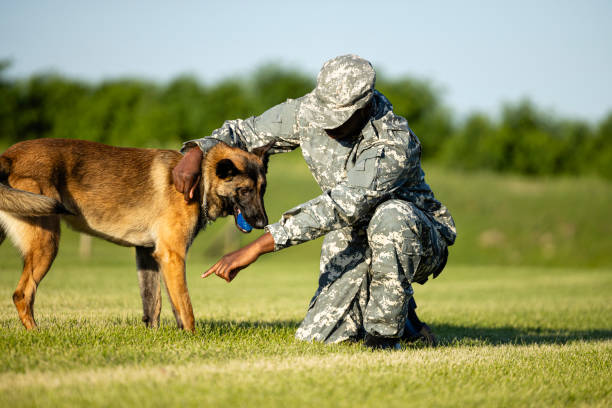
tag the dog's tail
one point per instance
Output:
(22, 202)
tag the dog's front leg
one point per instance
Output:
(172, 263)
(150, 286)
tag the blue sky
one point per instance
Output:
(481, 53)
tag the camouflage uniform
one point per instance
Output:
(384, 228)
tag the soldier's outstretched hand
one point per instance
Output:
(230, 264)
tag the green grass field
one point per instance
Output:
(523, 312)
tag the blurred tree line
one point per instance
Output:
(134, 112)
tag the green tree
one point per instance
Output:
(134, 112)
(273, 84)
(473, 145)
(419, 102)
(9, 106)
(600, 151)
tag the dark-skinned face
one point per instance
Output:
(353, 125)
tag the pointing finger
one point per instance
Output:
(210, 271)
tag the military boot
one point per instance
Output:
(381, 343)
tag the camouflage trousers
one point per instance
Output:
(367, 271)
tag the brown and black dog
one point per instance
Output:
(126, 196)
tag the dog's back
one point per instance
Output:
(112, 192)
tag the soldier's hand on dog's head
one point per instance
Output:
(187, 173)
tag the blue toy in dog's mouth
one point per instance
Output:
(242, 224)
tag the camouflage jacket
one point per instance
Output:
(355, 175)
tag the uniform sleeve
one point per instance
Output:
(378, 172)
(276, 124)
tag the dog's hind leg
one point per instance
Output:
(172, 263)
(2, 234)
(150, 286)
(38, 240)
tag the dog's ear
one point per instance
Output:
(263, 150)
(262, 153)
(226, 169)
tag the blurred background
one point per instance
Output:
(512, 101)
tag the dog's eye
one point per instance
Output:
(244, 191)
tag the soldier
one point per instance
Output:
(383, 227)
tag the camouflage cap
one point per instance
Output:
(344, 85)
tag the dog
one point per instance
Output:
(126, 196)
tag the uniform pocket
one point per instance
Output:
(365, 170)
